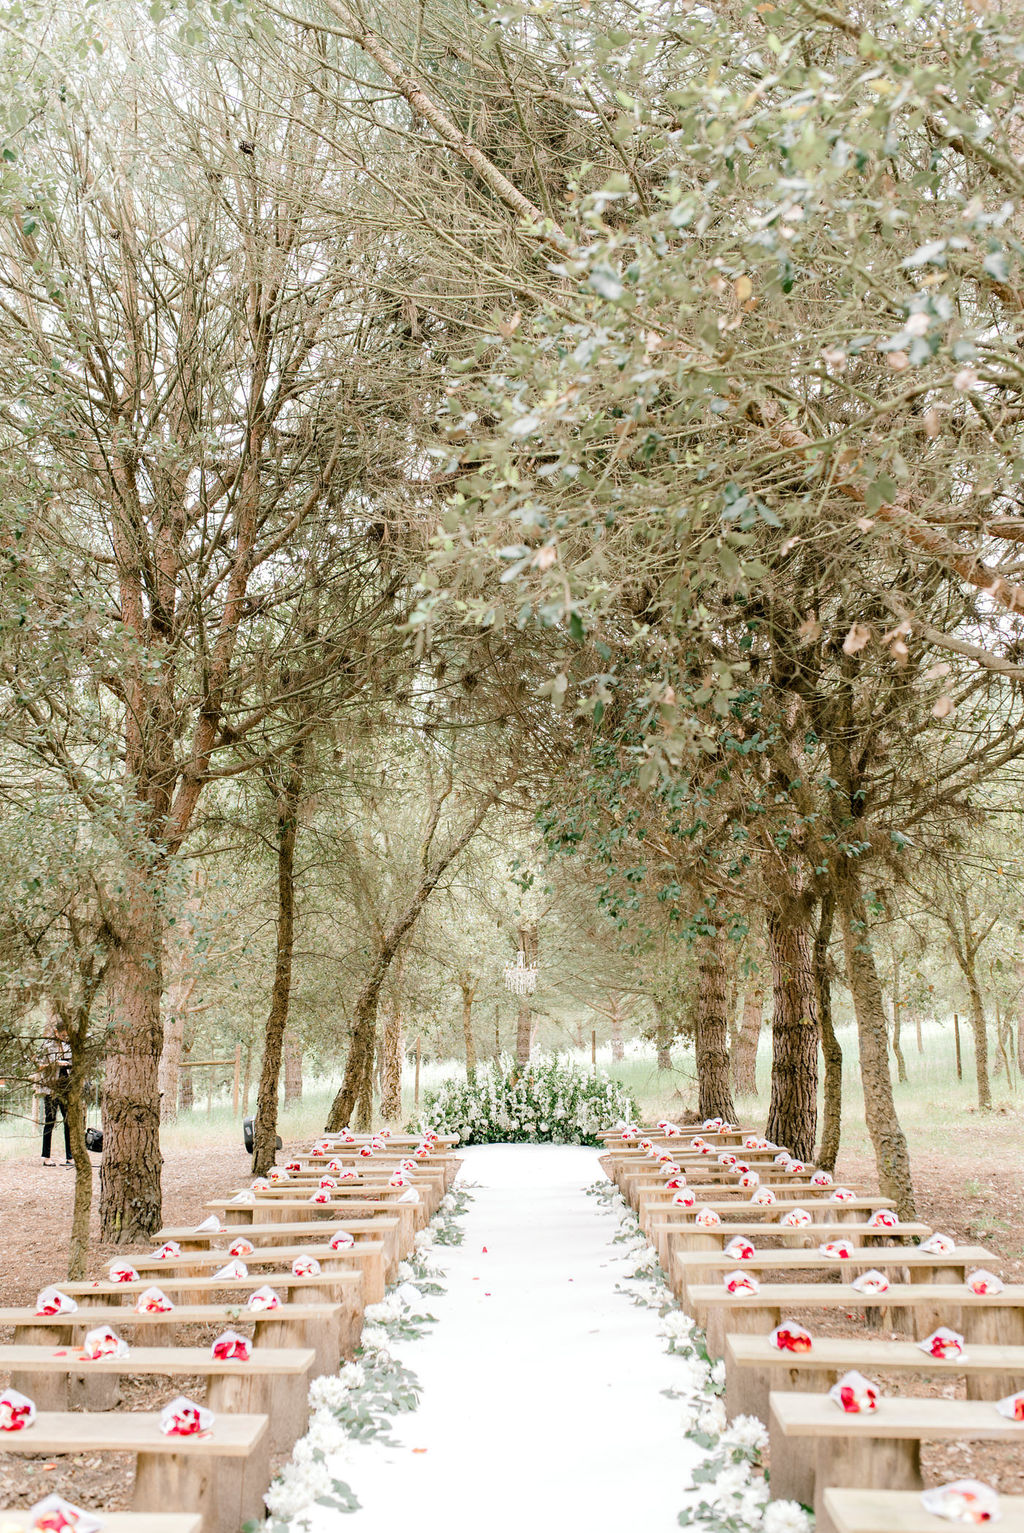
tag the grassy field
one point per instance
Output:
(933, 1105)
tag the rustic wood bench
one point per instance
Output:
(344, 1289)
(815, 1445)
(290, 1326)
(120, 1522)
(753, 1368)
(382, 1226)
(992, 1318)
(766, 1213)
(429, 1188)
(669, 1236)
(48, 1375)
(291, 1210)
(366, 1257)
(221, 1476)
(900, 1511)
(698, 1267)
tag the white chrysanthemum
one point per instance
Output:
(712, 1418)
(785, 1517)
(297, 1487)
(675, 1323)
(731, 1481)
(386, 1312)
(746, 1432)
(331, 1390)
(374, 1339)
(718, 1373)
(424, 1240)
(405, 1272)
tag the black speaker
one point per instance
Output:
(94, 1139)
(247, 1136)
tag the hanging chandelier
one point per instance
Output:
(520, 977)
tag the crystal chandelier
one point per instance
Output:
(520, 978)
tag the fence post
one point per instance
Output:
(416, 1091)
(956, 1040)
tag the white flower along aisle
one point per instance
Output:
(550, 1101)
(729, 1494)
(356, 1405)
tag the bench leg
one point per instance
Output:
(740, 1315)
(993, 1327)
(869, 1463)
(48, 1390)
(249, 1394)
(791, 1473)
(182, 1481)
(240, 1215)
(747, 1389)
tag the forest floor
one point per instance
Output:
(969, 1184)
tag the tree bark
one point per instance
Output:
(292, 1068)
(391, 1074)
(832, 1053)
(663, 1035)
(130, 1200)
(356, 1090)
(897, 1021)
(744, 1051)
(979, 1027)
(892, 1158)
(524, 1032)
(468, 988)
(793, 1110)
(714, 1094)
(186, 1082)
(618, 1049)
(264, 1124)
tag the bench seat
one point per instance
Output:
(119, 1522)
(900, 1511)
(221, 1476)
(988, 1317)
(383, 1226)
(367, 1256)
(753, 1367)
(668, 1236)
(690, 1268)
(815, 1445)
(291, 1210)
(291, 1325)
(48, 1375)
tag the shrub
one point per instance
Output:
(549, 1102)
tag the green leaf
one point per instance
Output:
(605, 280)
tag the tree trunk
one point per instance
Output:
(356, 1090)
(179, 993)
(917, 1030)
(524, 1033)
(292, 1068)
(744, 1051)
(468, 989)
(891, 1156)
(793, 1110)
(897, 1020)
(391, 1074)
(979, 1027)
(130, 1206)
(832, 1092)
(186, 1081)
(714, 1095)
(78, 1245)
(264, 1123)
(616, 1032)
(663, 1035)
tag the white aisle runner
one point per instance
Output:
(542, 1409)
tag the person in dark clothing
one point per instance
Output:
(55, 1075)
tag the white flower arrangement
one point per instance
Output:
(550, 1100)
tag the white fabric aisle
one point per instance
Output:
(542, 1407)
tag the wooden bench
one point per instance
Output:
(900, 1511)
(344, 1289)
(382, 1226)
(765, 1213)
(429, 1188)
(48, 1375)
(698, 1267)
(815, 1445)
(366, 1256)
(669, 1236)
(753, 1368)
(221, 1477)
(292, 1325)
(294, 1211)
(991, 1318)
(120, 1522)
